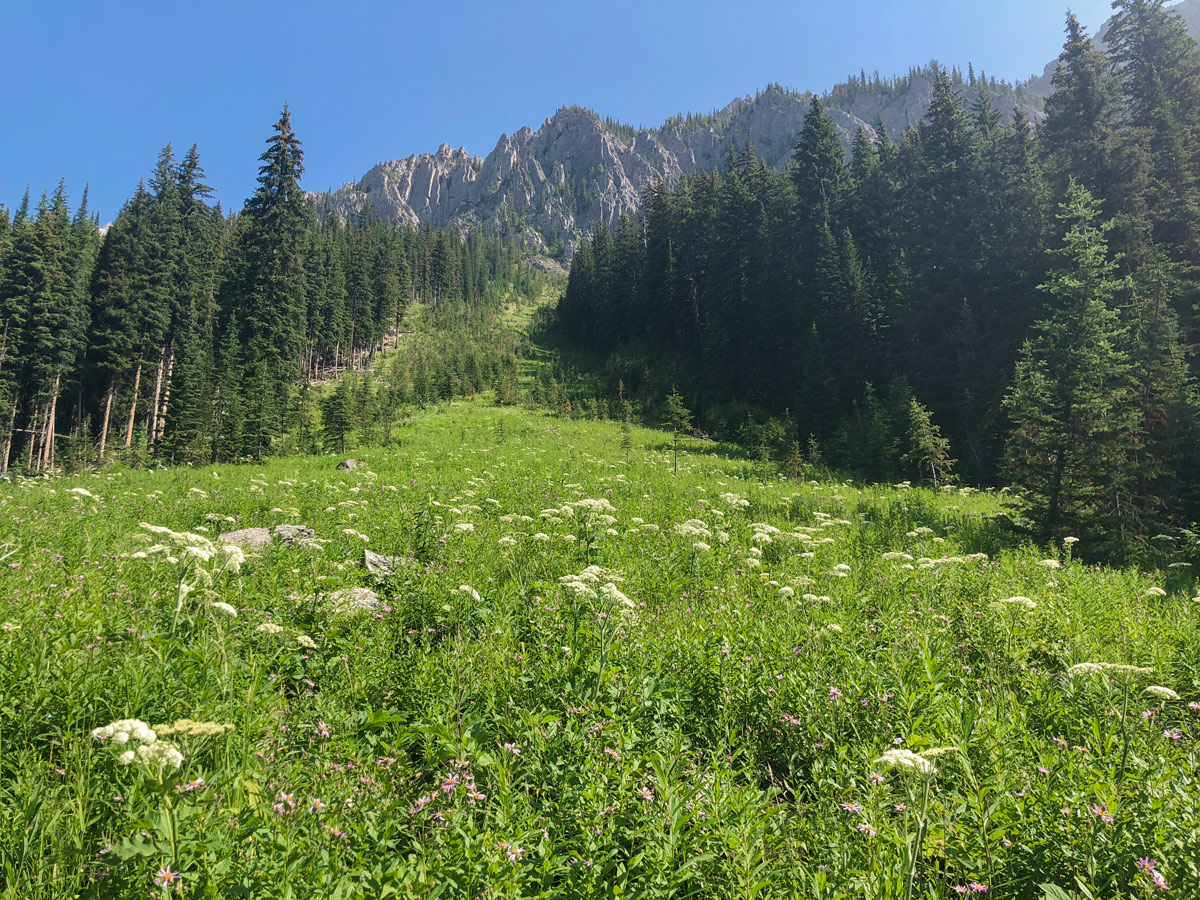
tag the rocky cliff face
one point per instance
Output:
(552, 186)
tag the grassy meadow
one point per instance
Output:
(581, 677)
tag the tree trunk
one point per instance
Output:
(48, 445)
(8, 438)
(107, 415)
(152, 422)
(166, 394)
(137, 382)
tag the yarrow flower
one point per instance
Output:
(223, 607)
(1163, 693)
(1019, 601)
(907, 761)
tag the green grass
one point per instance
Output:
(718, 735)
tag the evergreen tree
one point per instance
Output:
(1073, 439)
(678, 418)
(928, 451)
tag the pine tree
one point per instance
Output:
(678, 418)
(928, 451)
(1074, 425)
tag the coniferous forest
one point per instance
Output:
(973, 296)
(187, 335)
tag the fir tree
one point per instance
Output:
(1073, 440)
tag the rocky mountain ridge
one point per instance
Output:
(550, 187)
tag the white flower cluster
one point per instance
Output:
(735, 501)
(184, 546)
(1091, 668)
(1019, 601)
(595, 581)
(151, 752)
(907, 761)
(694, 528)
(1162, 693)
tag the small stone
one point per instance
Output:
(378, 564)
(247, 538)
(349, 465)
(355, 600)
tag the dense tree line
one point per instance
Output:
(191, 335)
(1036, 290)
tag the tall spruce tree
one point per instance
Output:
(1074, 426)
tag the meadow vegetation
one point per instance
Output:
(579, 675)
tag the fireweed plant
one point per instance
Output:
(574, 674)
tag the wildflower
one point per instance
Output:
(1050, 564)
(900, 808)
(316, 805)
(1146, 864)
(193, 785)
(270, 628)
(1020, 601)
(701, 547)
(1043, 770)
(1163, 693)
(1159, 881)
(449, 783)
(10, 626)
(615, 754)
(165, 877)
(852, 807)
(646, 794)
(1100, 811)
(322, 730)
(1173, 734)
(1194, 707)
(834, 693)
(1155, 591)
(514, 854)
(977, 888)
(160, 755)
(513, 749)
(906, 760)
(223, 607)
(876, 779)
(464, 526)
(127, 758)
(867, 829)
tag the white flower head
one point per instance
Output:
(1019, 601)
(907, 761)
(1162, 693)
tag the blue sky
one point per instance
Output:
(92, 90)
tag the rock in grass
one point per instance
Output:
(349, 465)
(247, 538)
(259, 538)
(378, 564)
(295, 535)
(355, 600)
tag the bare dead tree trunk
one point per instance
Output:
(108, 401)
(8, 438)
(152, 421)
(48, 444)
(166, 394)
(137, 382)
